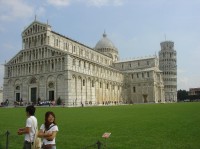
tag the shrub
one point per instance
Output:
(59, 101)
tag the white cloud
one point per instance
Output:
(118, 2)
(100, 3)
(59, 2)
(96, 3)
(14, 9)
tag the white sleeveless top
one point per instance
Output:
(54, 128)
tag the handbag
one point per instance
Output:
(37, 144)
(48, 146)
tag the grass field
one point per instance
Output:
(140, 126)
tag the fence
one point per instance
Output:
(97, 145)
(4, 140)
(10, 140)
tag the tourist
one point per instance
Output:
(48, 131)
(30, 129)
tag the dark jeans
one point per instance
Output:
(27, 145)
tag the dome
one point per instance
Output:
(105, 43)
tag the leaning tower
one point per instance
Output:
(168, 64)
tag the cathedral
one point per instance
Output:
(51, 66)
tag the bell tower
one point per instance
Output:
(168, 64)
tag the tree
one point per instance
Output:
(182, 95)
(193, 97)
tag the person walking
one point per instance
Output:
(48, 131)
(30, 129)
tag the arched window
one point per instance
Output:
(48, 39)
(79, 63)
(148, 74)
(74, 62)
(41, 40)
(84, 64)
(17, 88)
(57, 42)
(33, 80)
(133, 89)
(51, 85)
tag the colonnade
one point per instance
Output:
(87, 90)
(37, 67)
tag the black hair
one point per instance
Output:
(30, 110)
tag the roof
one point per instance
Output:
(143, 70)
(105, 42)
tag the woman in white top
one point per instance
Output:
(48, 131)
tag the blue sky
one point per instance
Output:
(136, 27)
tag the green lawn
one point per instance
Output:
(140, 126)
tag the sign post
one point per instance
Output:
(106, 135)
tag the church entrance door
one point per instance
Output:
(145, 98)
(51, 95)
(17, 97)
(33, 94)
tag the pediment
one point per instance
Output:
(18, 58)
(35, 27)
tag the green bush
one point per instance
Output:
(59, 101)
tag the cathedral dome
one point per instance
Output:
(105, 43)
